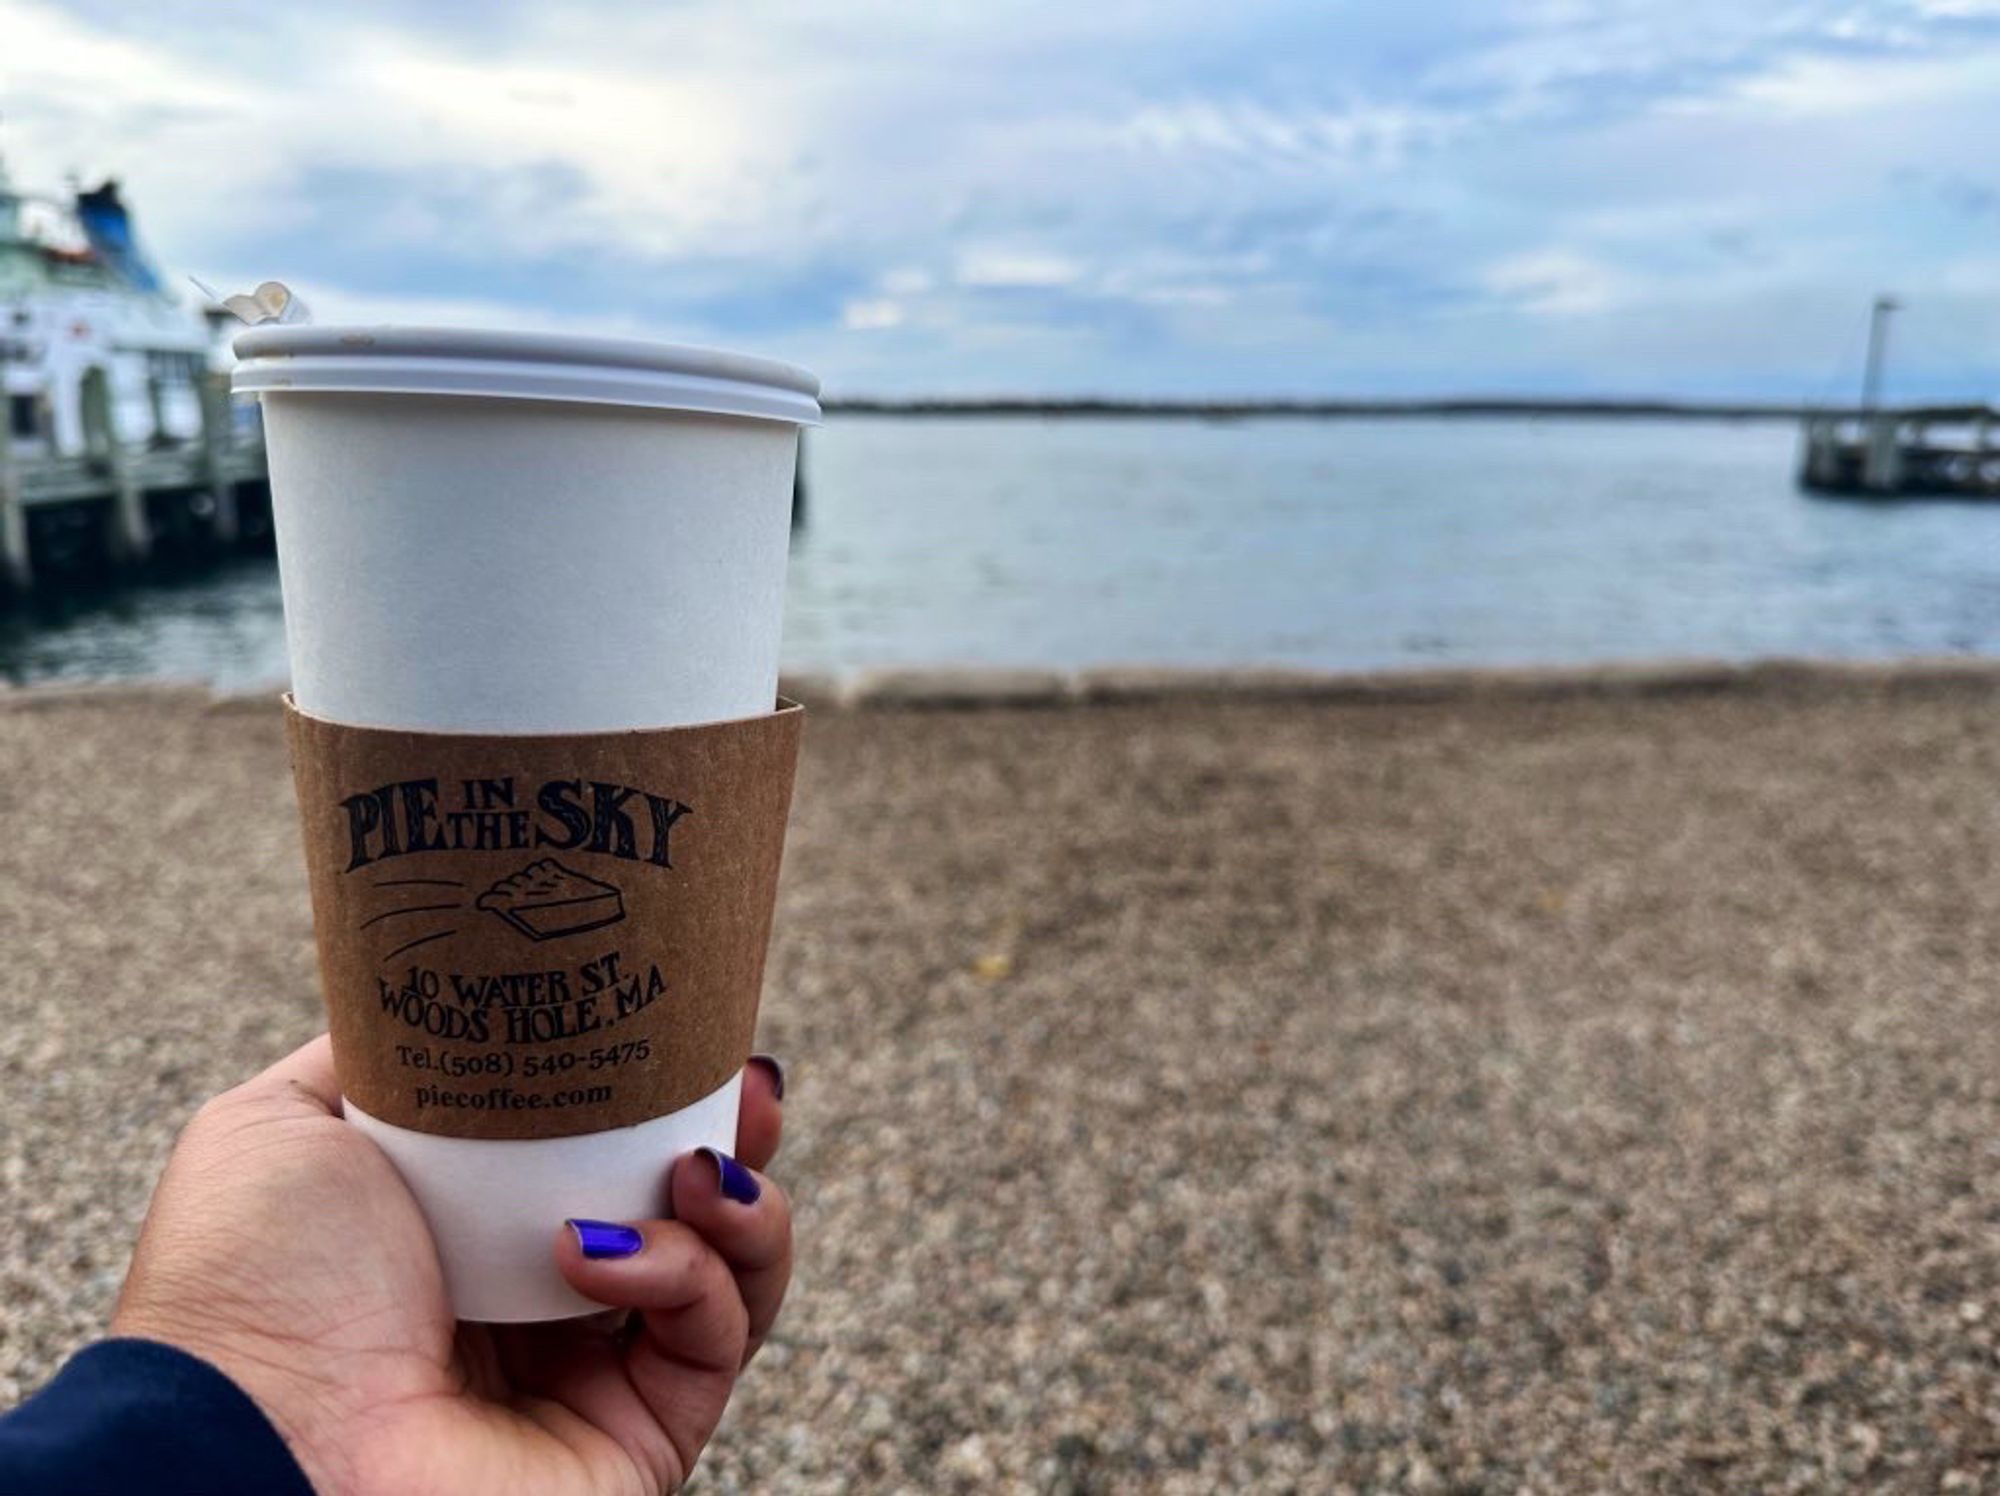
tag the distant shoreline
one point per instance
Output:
(1236, 410)
(977, 687)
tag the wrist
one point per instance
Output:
(305, 1412)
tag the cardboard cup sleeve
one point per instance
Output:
(539, 936)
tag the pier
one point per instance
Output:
(1941, 451)
(1883, 452)
(118, 505)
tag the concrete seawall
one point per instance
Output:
(934, 689)
(974, 688)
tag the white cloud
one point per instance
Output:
(907, 280)
(1279, 194)
(1186, 295)
(670, 154)
(670, 159)
(47, 51)
(1554, 282)
(1364, 133)
(1016, 268)
(333, 302)
(75, 99)
(871, 316)
(1821, 87)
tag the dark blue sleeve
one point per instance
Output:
(136, 1416)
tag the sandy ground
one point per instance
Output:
(1482, 1095)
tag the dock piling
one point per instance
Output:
(14, 562)
(216, 434)
(156, 407)
(1882, 464)
(1820, 460)
(131, 530)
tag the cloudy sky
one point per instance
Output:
(1174, 196)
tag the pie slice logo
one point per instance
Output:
(546, 900)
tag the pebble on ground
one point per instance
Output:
(1472, 1096)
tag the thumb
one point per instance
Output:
(302, 1081)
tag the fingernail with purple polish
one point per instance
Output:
(775, 1070)
(737, 1182)
(602, 1239)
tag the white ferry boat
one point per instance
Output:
(94, 345)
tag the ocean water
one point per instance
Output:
(1340, 544)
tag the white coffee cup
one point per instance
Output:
(523, 533)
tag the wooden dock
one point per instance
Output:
(120, 504)
(1943, 451)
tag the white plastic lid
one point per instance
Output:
(296, 359)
